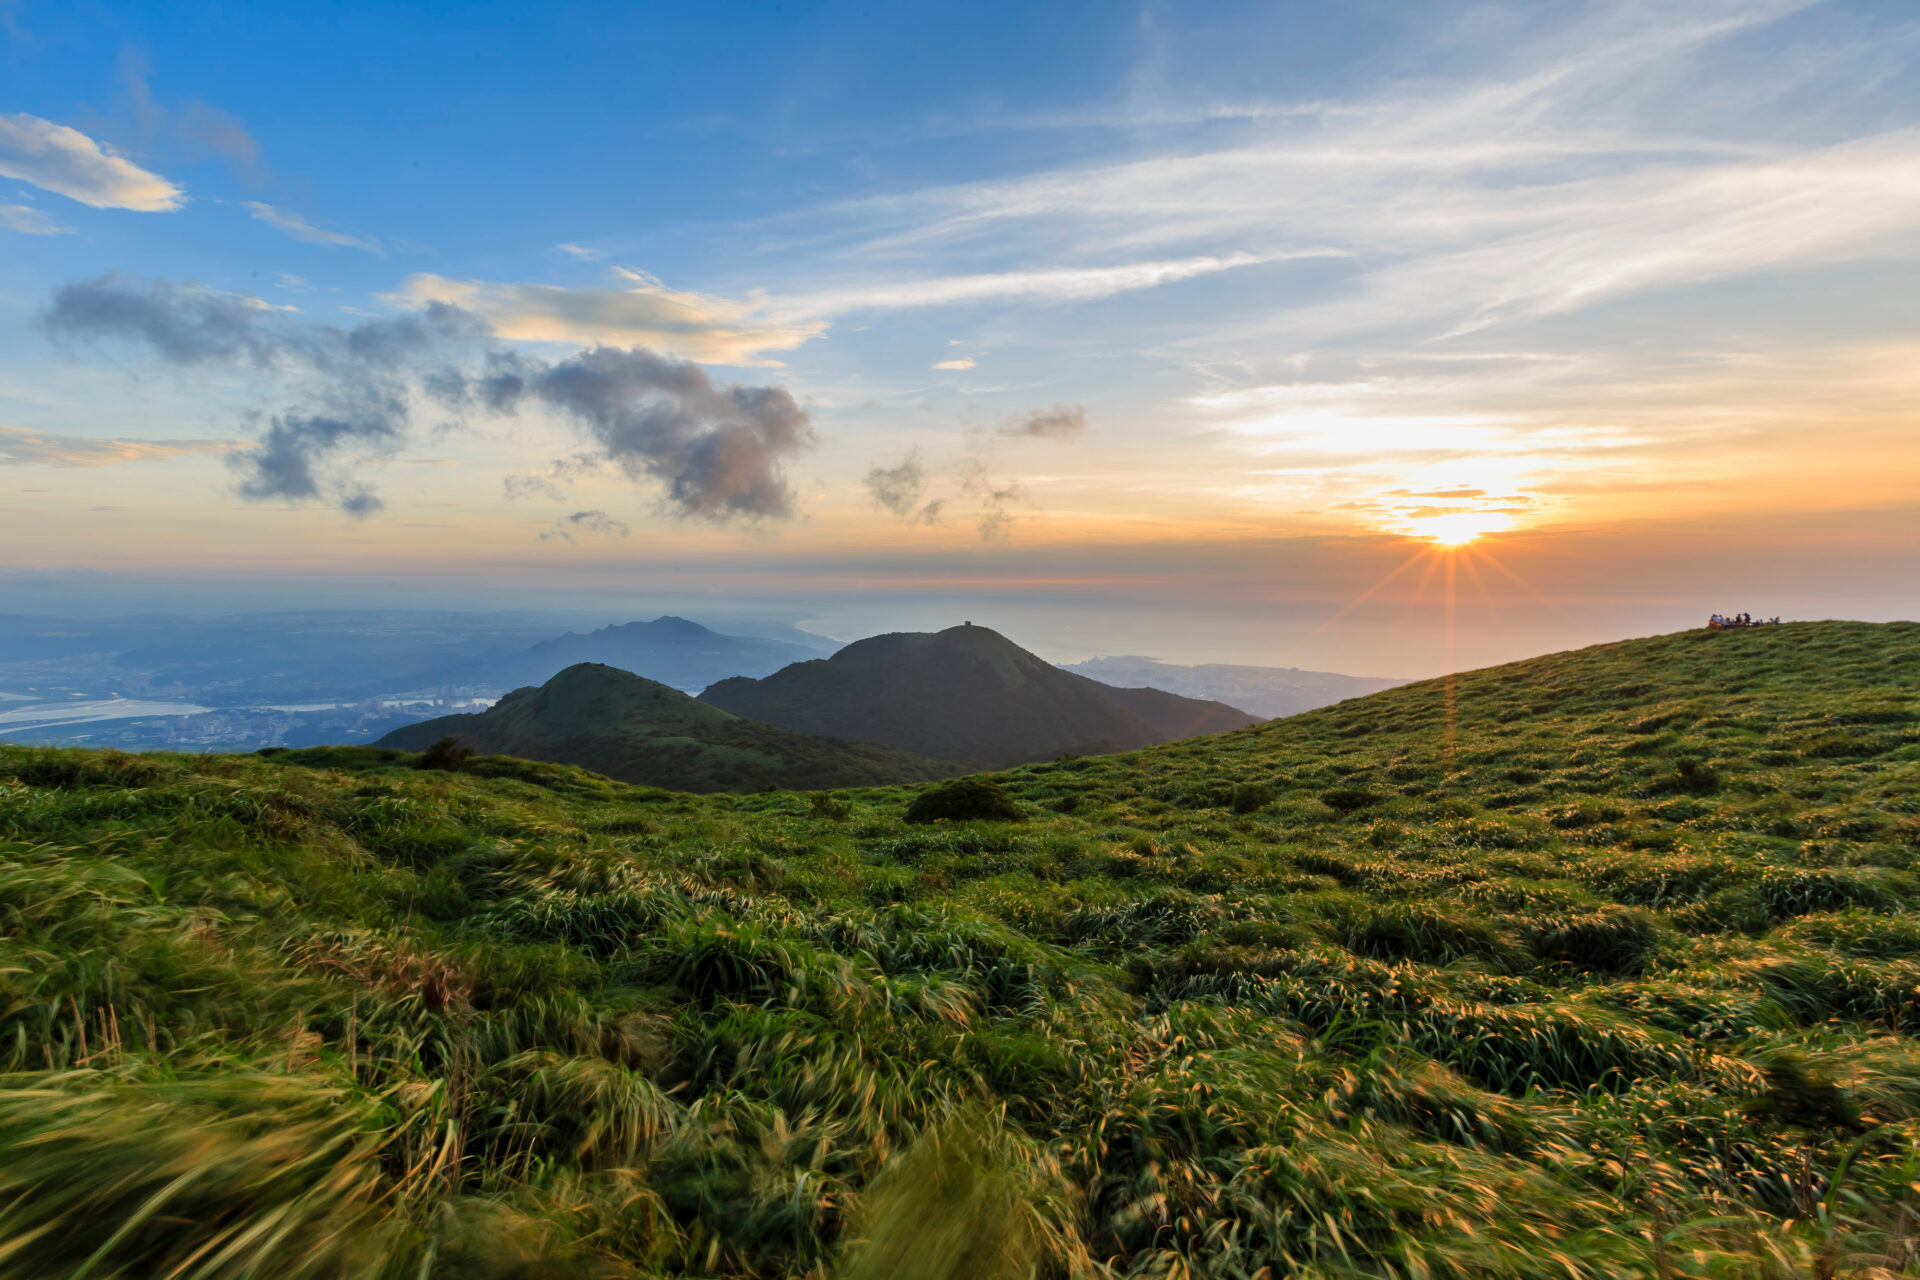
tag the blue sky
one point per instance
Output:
(1299, 288)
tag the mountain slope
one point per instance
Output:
(672, 650)
(641, 731)
(1605, 964)
(968, 694)
(1265, 691)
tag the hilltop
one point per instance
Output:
(967, 694)
(1602, 964)
(641, 731)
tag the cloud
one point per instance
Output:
(955, 364)
(30, 221)
(578, 251)
(698, 327)
(717, 450)
(994, 498)
(300, 229)
(899, 489)
(208, 130)
(198, 127)
(69, 163)
(22, 447)
(357, 381)
(1049, 284)
(586, 522)
(1057, 423)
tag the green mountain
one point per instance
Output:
(968, 694)
(641, 731)
(1605, 964)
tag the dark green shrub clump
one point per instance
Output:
(965, 800)
(447, 755)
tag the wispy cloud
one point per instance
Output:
(586, 522)
(697, 326)
(1057, 423)
(300, 229)
(20, 446)
(67, 162)
(955, 365)
(1046, 284)
(30, 221)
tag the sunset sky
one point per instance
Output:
(1217, 332)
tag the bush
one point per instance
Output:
(964, 800)
(825, 804)
(447, 755)
(1249, 797)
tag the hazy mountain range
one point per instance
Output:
(1265, 691)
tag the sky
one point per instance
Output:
(1373, 337)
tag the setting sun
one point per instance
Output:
(1456, 528)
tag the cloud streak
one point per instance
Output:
(691, 325)
(22, 447)
(29, 221)
(300, 229)
(67, 162)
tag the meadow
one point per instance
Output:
(1601, 964)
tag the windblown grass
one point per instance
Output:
(1624, 985)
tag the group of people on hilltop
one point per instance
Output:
(1721, 621)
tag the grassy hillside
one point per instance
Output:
(641, 731)
(967, 693)
(1615, 972)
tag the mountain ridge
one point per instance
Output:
(642, 731)
(971, 695)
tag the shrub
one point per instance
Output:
(447, 755)
(1249, 797)
(965, 800)
(825, 804)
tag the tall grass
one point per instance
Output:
(1626, 986)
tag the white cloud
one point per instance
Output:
(1581, 174)
(578, 251)
(69, 163)
(1046, 284)
(699, 327)
(20, 446)
(954, 364)
(29, 221)
(300, 229)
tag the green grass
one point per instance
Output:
(1617, 974)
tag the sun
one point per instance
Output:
(1457, 528)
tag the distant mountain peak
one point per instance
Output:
(966, 693)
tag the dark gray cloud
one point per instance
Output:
(1057, 423)
(586, 522)
(717, 450)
